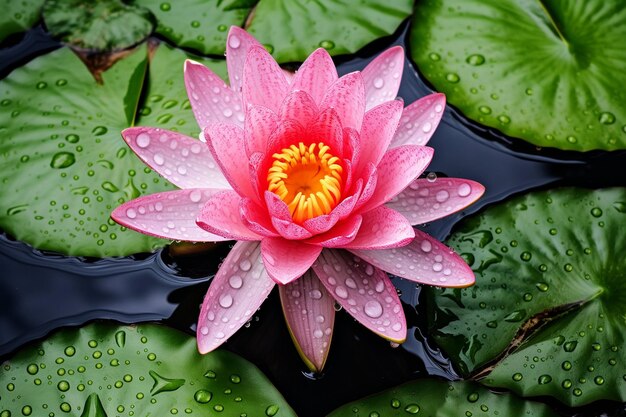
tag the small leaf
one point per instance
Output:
(542, 71)
(339, 26)
(156, 370)
(546, 316)
(431, 397)
(18, 16)
(103, 25)
(199, 25)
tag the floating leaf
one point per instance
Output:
(545, 72)
(108, 370)
(547, 312)
(201, 25)
(339, 26)
(430, 397)
(18, 16)
(103, 25)
(64, 164)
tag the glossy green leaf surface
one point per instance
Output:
(339, 26)
(18, 16)
(105, 370)
(64, 164)
(546, 316)
(200, 25)
(103, 25)
(431, 397)
(544, 71)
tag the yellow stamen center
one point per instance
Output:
(307, 178)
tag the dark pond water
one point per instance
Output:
(40, 292)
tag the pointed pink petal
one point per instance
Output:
(171, 214)
(315, 75)
(211, 99)
(382, 76)
(321, 224)
(353, 149)
(259, 125)
(282, 220)
(339, 236)
(327, 128)
(379, 126)
(287, 260)
(310, 315)
(184, 161)
(398, 168)
(256, 218)
(370, 178)
(365, 292)
(424, 200)
(226, 142)
(424, 260)
(220, 216)
(419, 121)
(298, 105)
(287, 133)
(347, 97)
(382, 228)
(237, 291)
(237, 46)
(263, 81)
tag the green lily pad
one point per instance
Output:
(546, 316)
(431, 397)
(103, 25)
(200, 25)
(339, 26)
(18, 16)
(64, 166)
(146, 370)
(546, 72)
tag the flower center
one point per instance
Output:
(307, 178)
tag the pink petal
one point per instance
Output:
(185, 162)
(237, 46)
(382, 228)
(282, 220)
(263, 81)
(353, 141)
(259, 125)
(365, 292)
(424, 200)
(379, 126)
(287, 260)
(220, 216)
(298, 105)
(419, 121)
(288, 132)
(398, 168)
(382, 76)
(237, 291)
(424, 260)
(226, 142)
(339, 236)
(315, 75)
(370, 177)
(256, 218)
(310, 315)
(327, 128)
(321, 224)
(171, 214)
(211, 99)
(347, 97)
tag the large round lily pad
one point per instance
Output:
(546, 316)
(145, 370)
(18, 16)
(430, 397)
(339, 26)
(547, 72)
(64, 166)
(103, 25)
(200, 25)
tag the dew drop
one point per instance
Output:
(373, 309)
(245, 265)
(442, 196)
(158, 159)
(504, 119)
(62, 160)
(434, 56)
(427, 127)
(235, 282)
(202, 396)
(341, 292)
(226, 300)
(326, 44)
(143, 140)
(606, 118)
(131, 213)
(379, 82)
(517, 377)
(166, 7)
(484, 109)
(453, 77)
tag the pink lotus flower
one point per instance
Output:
(316, 177)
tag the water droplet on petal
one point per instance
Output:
(235, 282)
(158, 159)
(379, 82)
(442, 196)
(373, 309)
(234, 42)
(245, 265)
(226, 300)
(341, 292)
(464, 190)
(131, 213)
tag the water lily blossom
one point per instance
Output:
(317, 178)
